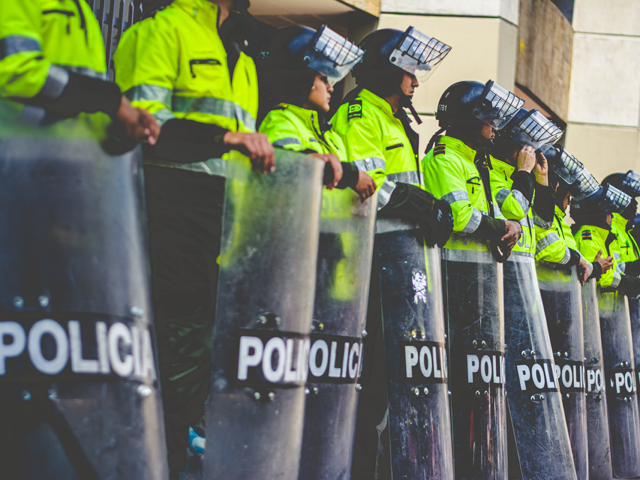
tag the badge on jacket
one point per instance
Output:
(355, 109)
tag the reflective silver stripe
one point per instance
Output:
(621, 267)
(616, 255)
(18, 44)
(384, 193)
(567, 256)
(502, 195)
(456, 196)
(616, 280)
(468, 256)
(87, 72)
(541, 223)
(286, 141)
(150, 93)
(524, 203)
(546, 241)
(497, 213)
(384, 225)
(404, 177)
(521, 257)
(213, 166)
(314, 140)
(474, 222)
(55, 83)
(213, 106)
(163, 115)
(590, 266)
(371, 163)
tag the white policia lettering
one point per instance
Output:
(623, 382)
(570, 376)
(288, 366)
(489, 368)
(430, 358)
(595, 382)
(110, 342)
(541, 375)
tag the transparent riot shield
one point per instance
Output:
(535, 402)
(634, 316)
(597, 417)
(475, 321)
(617, 349)
(414, 343)
(78, 379)
(340, 308)
(562, 300)
(261, 345)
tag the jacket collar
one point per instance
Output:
(202, 10)
(310, 118)
(459, 147)
(560, 213)
(379, 102)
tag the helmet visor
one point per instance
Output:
(332, 55)
(565, 165)
(535, 130)
(496, 106)
(631, 183)
(613, 200)
(418, 54)
(584, 186)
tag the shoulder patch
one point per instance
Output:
(439, 149)
(586, 234)
(355, 109)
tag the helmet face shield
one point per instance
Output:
(565, 165)
(584, 185)
(631, 183)
(613, 200)
(496, 106)
(332, 55)
(418, 54)
(535, 130)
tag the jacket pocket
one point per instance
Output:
(197, 62)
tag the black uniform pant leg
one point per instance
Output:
(185, 214)
(369, 460)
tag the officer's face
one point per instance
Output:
(409, 84)
(488, 132)
(320, 95)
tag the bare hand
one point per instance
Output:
(138, 124)
(606, 263)
(514, 230)
(334, 161)
(541, 170)
(258, 148)
(365, 186)
(526, 159)
(583, 271)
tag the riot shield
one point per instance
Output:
(342, 289)
(535, 402)
(261, 345)
(634, 316)
(414, 343)
(562, 300)
(78, 379)
(617, 349)
(597, 417)
(475, 321)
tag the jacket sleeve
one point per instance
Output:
(513, 200)
(363, 146)
(589, 248)
(550, 247)
(25, 72)
(146, 64)
(281, 134)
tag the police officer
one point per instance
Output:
(456, 171)
(378, 138)
(299, 93)
(52, 61)
(186, 65)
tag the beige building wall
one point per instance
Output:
(483, 35)
(604, 96)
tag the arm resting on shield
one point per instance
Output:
(544, 202)
(630, 286)
(596, 272)
(186, 141)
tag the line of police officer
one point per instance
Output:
(496, 315)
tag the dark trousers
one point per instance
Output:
(185, 214)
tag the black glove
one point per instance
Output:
(437, 226)
(632, 268)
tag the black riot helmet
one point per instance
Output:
(390, 53)
(628, 182)
(465, 106)
(293, 56)
(607, 199)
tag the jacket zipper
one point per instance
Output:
(66, 13)
(205, 61)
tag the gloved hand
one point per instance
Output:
(438, 225)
